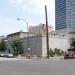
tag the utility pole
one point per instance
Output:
(47, 37)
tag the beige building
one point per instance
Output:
(40, 29)
(3, 38)
(33, 30)
(18, 35)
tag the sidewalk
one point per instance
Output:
(24, 58)
(16, 58)
(60, 57)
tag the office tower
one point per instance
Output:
(65, 16)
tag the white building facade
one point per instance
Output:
(38, 46)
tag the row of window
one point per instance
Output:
(56, 34)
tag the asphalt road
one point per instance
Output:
(37, 67)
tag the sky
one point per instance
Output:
(31, 11)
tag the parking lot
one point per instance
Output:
(37, 67)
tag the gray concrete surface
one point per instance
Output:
(37, 67)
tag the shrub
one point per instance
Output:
(51, 53)
(62, 52)
(58, 52)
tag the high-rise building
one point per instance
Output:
(65, 16)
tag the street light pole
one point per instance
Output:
(28, 37)
(47, 37)
(28, 48)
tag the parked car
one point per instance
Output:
(9, 55)
(6, 54)
(2, 54)
(70, 54)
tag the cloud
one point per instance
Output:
(16, 1)
(35, 10)
(33, 6)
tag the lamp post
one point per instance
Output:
(28, 48)
(18, 19)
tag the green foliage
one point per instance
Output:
(51, 53)
(73, 44)
(56, 51)
(62, 52)
(17, 47)
(2, 45)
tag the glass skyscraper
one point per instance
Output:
(65, 15)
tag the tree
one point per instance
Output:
(2, 45)
(73, 44)
(17, 47)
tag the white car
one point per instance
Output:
(9, 55)
(2, 54)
